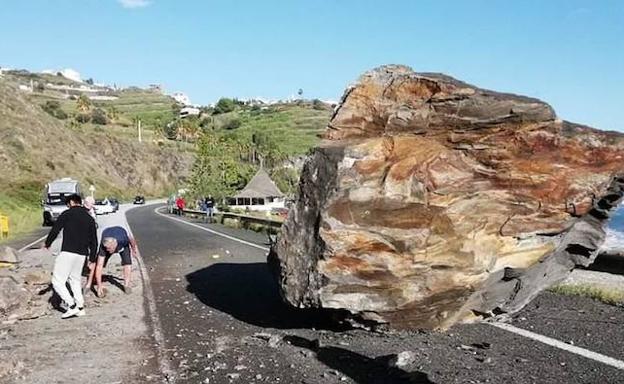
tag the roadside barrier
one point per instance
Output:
(4, 226)
(271, 226)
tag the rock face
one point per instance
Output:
(12, 295)
(8, 255)
(432, 202)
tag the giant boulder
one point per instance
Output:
(432, 202)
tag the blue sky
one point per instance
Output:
(568, 53)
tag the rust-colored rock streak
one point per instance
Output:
(432, 201)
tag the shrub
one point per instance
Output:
(318, 105)
(54, 109)
(83, 118)
(224, 105)
(98, 116)
(232, 124)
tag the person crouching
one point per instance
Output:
(116, 240)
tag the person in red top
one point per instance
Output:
(180, 204)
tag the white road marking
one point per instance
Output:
(163, 361)
(211, 231)
(33, 243)
(561, 345)
(507, 327)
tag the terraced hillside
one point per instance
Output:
(36, 147)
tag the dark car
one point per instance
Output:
(139, 199)
(115, 203)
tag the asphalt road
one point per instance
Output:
(223, 322)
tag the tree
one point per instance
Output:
(83, 104)
(217, 169)
(224, 105)
(89, 81)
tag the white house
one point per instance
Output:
(189, 111)
(260, 194)
(181, 98)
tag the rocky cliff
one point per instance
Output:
(432, 202)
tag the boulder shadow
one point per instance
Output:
(248, 293)
(610, 263)
(360, 368)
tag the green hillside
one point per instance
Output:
(54, 127)
(41, 139)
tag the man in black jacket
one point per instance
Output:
(79, 241)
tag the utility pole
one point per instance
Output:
(139, 128)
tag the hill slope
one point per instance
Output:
(36, 147)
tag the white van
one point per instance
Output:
(54, 195)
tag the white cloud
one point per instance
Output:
(134, 3)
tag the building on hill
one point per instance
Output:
(181, 98)
(189, 111)
(260, 194)
(156, 88)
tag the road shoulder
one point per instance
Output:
(111, 344)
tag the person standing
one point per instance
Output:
(209, 202)
(79, 241)
(115, 240)
(180, 204)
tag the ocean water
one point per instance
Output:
(615, 232)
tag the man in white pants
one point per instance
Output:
(79, 241)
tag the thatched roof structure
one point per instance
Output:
(260, 186)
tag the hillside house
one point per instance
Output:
(260, 194)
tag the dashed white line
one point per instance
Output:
(561, 345)
(211, 231)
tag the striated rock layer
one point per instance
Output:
(432, 202)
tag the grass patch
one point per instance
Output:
(22, 207)
(606, 295)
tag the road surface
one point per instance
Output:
(223, 322)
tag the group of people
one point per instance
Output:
(207, 204)
(79, 245)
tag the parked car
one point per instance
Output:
(139, 199)
(115, 203)
(103, 207)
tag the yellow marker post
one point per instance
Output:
(4, 226)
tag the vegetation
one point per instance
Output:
(39, 146)
(217, 169)
(53, 107)
(254, 137)
(98, 116)
(606, 295)
(224, 105)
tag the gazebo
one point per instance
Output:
(260, 194)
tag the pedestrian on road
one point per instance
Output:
(209, 201)
(79, 241)
(180, 204)
(115, 240)
(89, 204)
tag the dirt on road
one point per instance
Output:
(224, 322)
(111, 344)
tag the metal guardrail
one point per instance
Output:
(4, 226)
(272, 225)
(243, 218)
